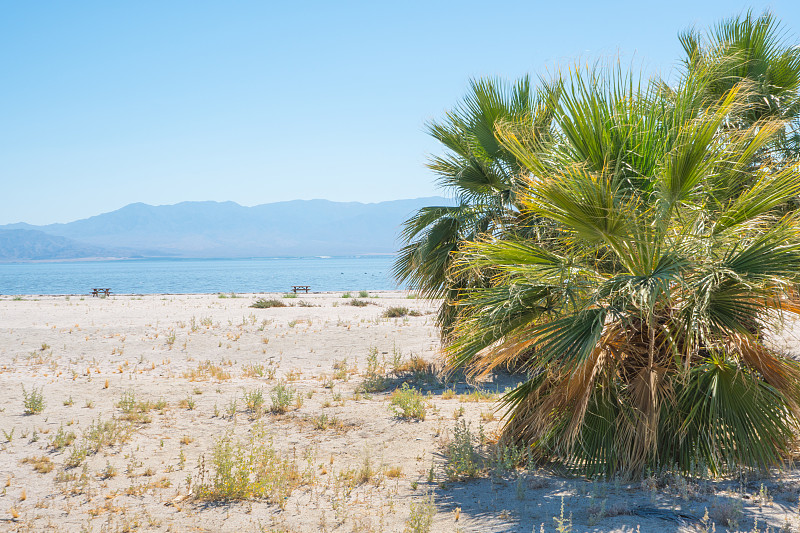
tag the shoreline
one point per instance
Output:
(238, 294)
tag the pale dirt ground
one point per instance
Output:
(93, 351)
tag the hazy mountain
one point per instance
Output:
(227, 229)
(31, 245)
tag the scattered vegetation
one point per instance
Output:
(263, 303)
(395, 312)
(41, 464)
(133, 410)
(207, 370)
(62, 439)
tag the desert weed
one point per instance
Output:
(33, 402)
(282, 397)
(242, 470)
(408, 403)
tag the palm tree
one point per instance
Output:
(481, 175)
(644, 316)
(753, 51)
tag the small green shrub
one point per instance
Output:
(134, 410)
(282, 397)
(76, 457)
(463, 459)
(256, 370)
(420, 519)
(247, 470)
(505, 458)
(62, 439)
(363, 294)
(254, 400)
(263, 303)
(108, 433)
(375, 379)
(408, 402)
(358, 303)
(346, 295)
(395, 312)
(32, 402)
(290, 295)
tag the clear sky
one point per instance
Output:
(107, 103)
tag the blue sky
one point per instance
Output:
(108, 103)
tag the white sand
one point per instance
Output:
(93, 351)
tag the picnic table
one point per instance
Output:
(98, 292)
(298, 288)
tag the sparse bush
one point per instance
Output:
(263, 303)
(395, 312)
(254, 400)
(504, 458)
(258, 371)
(32, 402)
(375, 378)
(463, 459)
(133, 410)
(727, 511)
(420, 519)
(358, 303)
(108, 433)
(282, 397)
(363, 294)
(76, 457)
(245, 470)
(62, 439)
(408, 402)
(207, 370)
(42, 464)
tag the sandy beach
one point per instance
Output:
(117, 414)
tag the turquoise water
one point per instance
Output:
(179, 276)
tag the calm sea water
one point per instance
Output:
(177, 276)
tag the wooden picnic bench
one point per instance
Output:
(298, 288)
(98, 292)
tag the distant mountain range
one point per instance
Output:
(218, 229)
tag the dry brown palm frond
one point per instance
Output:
(502, 354)
(779, 372)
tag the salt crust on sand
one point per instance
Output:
(71, 347)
